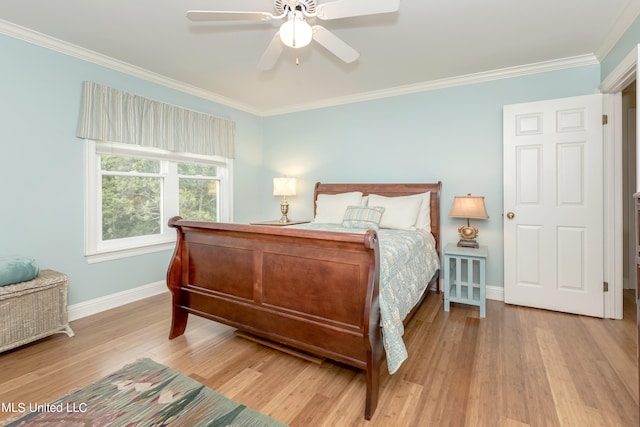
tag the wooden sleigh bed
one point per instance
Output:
(314, 291)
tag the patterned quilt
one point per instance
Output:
(408, 260)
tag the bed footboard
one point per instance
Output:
(310, 290)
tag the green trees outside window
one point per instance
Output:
(133, 192)
(198, 192)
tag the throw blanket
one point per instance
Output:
(408, 260)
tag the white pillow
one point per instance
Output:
(424, 216)
(423, 222)
(330, 208)
(399, 212)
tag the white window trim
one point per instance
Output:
(98, 251)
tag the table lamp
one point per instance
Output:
(284, 187)
(468, 207)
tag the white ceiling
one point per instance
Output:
(426, 41)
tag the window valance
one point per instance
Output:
(108, 114)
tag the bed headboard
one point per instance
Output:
(390, 190)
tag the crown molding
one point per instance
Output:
(48, 42)
(503, 73)
(63, 47)
(623, 23)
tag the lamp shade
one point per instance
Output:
(468, 207)
(296, 32)
(284, 186)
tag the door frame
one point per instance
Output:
(612, 86)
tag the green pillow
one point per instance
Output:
(16, 270)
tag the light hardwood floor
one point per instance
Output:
(517, 367)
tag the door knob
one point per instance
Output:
(510, 215)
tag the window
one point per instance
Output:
(133, 191)
(198, 191)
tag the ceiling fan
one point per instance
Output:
(295, 32)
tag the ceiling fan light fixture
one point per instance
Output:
(296, 32)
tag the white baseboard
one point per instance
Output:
(495, 293)
(87, 308)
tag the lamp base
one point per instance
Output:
(468, 243)
(468, 236)
(284, 209)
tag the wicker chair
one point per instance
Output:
(33, 310)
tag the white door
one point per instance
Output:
(553, 205)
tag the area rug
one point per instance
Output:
(144, 393)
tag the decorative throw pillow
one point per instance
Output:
(16, 270)
(363, 217)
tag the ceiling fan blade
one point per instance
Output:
(271, 55)
(347, 8)
(219, 15)
(335, 45)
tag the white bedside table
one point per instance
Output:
(464, 276)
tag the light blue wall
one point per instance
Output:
(41, 166)
(451, 135)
